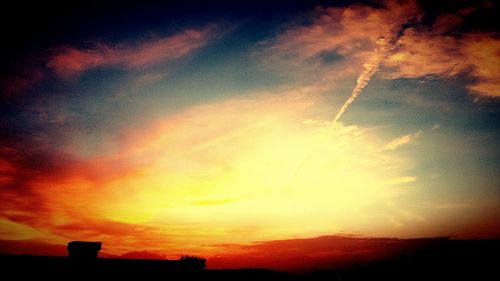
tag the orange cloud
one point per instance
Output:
(482, 53)
(350, 31)
(349, 36)
(69, 62)
(54, 197)
(395, 35)
(421, 53)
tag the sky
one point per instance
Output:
(228, 129)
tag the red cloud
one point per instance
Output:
(69, 62)
(60, 195)
(319, 252)
(47, 189)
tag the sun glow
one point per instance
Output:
(273, 175)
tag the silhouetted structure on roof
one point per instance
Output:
(192, 263)
(84, 250)
(83, 261)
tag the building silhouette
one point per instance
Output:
(82, 250)
(83, 256)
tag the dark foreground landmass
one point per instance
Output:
(443, 260)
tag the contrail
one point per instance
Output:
(363, 79)
(370, 68)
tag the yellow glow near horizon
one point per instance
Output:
(264, 174)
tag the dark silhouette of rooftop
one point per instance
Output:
(84, 250)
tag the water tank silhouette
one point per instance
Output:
(83, 250)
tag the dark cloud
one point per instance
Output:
(142, 255)
(319, 252)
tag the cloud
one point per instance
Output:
(10, 230)
(482, 52)
(118, 237)
(142, 255)
(349, 31)
(422, 53)
(69, 62)
(337, 42)
(147, 79)
(39, 187)
(26, 163)
(14, 85)
(318, 252)
(414, 48)
(403, 140)
(433, 51)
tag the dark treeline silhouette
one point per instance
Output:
(434, 259)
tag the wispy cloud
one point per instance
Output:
(403, 140)
(414, 48)
(69, 62)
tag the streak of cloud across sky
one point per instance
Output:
(216, 129)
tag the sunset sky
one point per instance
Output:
(213, 129)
